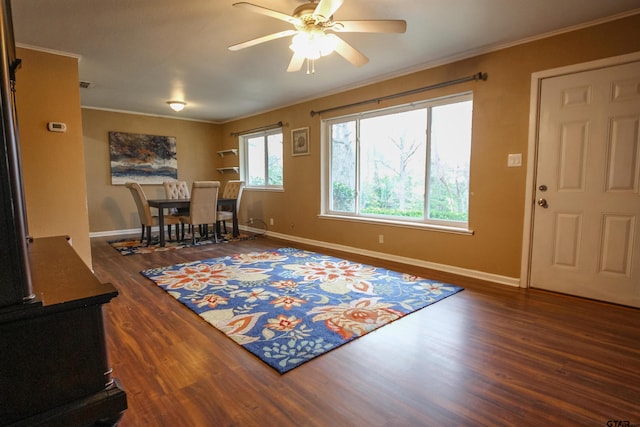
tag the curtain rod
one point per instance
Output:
(267, 127)
(477, 76)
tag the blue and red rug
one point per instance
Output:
(133, 246)
(288, 306)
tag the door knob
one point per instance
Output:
(543, 203)
(542, 188)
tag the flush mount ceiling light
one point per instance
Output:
(313, 36)
(177, 105)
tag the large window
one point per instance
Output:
(408, 163)
(262, 159)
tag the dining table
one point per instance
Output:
(162, 204)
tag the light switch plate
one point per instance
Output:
(514, 160)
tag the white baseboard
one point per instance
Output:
(481, 275)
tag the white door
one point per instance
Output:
(586, 222)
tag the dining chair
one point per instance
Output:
(232, 190)
(144, 211)
(202, 208)
(177, 190)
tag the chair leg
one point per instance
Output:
(149, 235)
(142, 235)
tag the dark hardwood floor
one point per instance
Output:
(490, 355)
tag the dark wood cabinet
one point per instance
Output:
(15, 283)
(54, 368)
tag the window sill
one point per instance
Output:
(414, 225)
(273, 189)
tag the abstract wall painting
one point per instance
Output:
(145, 159)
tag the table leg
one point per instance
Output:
(236, 231)
(161, 225)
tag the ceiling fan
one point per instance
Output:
(314, 36)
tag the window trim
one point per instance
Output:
(244, 161)
(400, 223)
(459, 227)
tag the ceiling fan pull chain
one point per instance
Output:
(311, 66)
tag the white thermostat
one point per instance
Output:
(57, 127)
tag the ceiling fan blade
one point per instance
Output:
(296, 63)
(268, 12)
(375, 26)
(350, 53)
(326, 8)
(262, 39)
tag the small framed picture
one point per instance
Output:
(300, 142)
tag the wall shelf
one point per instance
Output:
(231, 151)
(230, 169)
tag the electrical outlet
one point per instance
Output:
(514, 160)
(250, 220)
(270, 221)
(380, 238)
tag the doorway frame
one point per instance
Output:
(532, 146)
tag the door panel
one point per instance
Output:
(616, 244)
(586, 240)
(573, 156)
(567, 237)
(622, 168)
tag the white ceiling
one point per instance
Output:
(138, 54)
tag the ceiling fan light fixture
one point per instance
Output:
(328, 44)
(312, 20)
(313, 44)
(177, 106)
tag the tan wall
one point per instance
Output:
(500, 127)
(111, 207)
(53, 163)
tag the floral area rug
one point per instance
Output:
(288, 306)
(133, 246)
